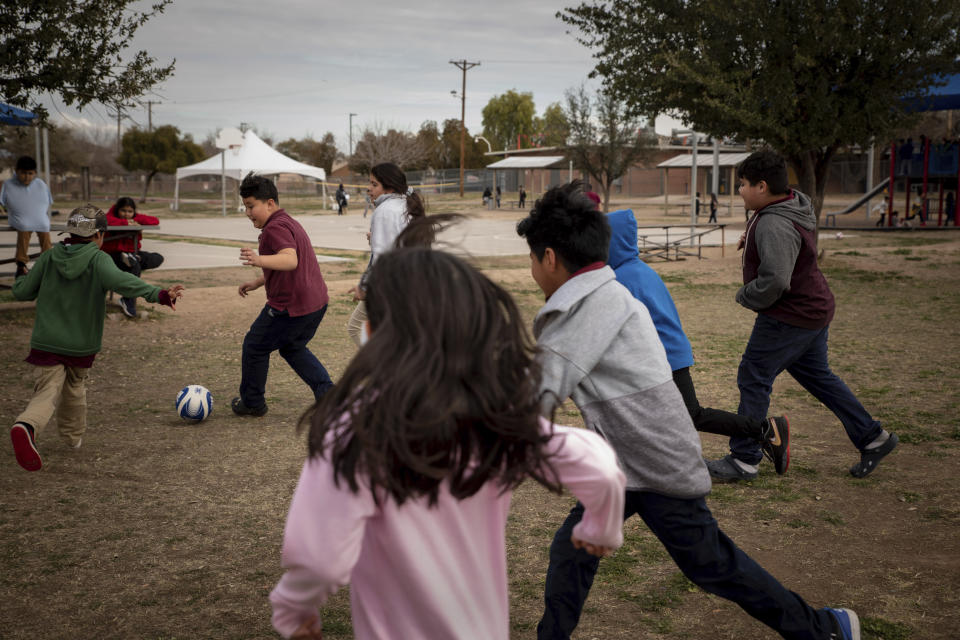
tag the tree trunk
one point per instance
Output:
(146, 185)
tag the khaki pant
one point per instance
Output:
(23, 244)
(64, 390)
(357, 319)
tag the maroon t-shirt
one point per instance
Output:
(302, 290)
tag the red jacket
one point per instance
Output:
(116, 245)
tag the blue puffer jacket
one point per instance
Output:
(647, 287)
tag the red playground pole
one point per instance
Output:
(891, 190)
(940, 207)
(956, 198)
(926, 173)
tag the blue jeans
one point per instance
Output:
(691, 536)
(776, 346)
(276, 331)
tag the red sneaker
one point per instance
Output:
(25, 447)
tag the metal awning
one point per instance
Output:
(703, 160)
(530, 162)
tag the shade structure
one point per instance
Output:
(254, 155)
(943, 98)
(15, 116)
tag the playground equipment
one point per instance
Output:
(831, 218)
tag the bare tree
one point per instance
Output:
(402, 148)
(607, 142)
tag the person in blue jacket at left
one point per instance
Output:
(773, 434)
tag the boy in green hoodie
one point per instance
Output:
(70, 283)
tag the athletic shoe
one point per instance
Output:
(78, 443)
(243, 410)
(25, 447)
(129, 259)
(776, 443)
(727, 470)
(21, 269)
(846, 624)
(129, 307)
(870, 458)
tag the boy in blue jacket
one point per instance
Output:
(772, 434)
(783, 283)
(599, 346)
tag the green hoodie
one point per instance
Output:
(69, 283)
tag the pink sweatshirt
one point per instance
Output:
(427, 572)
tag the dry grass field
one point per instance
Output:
(159, 529)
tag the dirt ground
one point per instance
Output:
(160, 529)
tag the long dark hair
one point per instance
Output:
(124, 201)
(446, 389)
(393, 179)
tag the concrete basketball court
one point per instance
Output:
(474, 236)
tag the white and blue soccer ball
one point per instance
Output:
(194, 403)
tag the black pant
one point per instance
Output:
(145, 260)
(691, 536)
(715, 421)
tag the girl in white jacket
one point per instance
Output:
(396, 205)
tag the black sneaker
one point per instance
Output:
(776, 443)
(129, 307)
(129, 259)
(21, 269)
(243, 410)
(25, 447)
(726, 469)
(870, 458)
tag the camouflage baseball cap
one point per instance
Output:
(86, 221)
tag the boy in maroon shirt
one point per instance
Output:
(784, 285)
(296, 299)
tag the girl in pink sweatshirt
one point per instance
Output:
(414, 456)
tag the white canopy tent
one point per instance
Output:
(254, 155)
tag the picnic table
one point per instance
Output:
(120, 230)
(687, 241)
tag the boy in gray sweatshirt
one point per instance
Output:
(600, 347)
(784, 285)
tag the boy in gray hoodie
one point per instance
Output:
(599, 346)
(784, 285)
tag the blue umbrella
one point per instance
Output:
(15, 116)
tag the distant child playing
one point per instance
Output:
(296, 299)
(27, 200)
(784, 285)
(396, 205)
(599, 346)
(773, 434)
(414, 456)
(69, 283)
(125, 249)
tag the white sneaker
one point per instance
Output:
(79, 442)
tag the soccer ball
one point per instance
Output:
(194, 403)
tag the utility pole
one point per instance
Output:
(351, 133)
(150, 104)
(464, 66)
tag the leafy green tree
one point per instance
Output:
(473, 149)
(319, 153)
(553, 127)
(807, 77)
(508, 116)
(159, 151)
(73, 48)
(605, 140)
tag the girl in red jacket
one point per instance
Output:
(125, 248)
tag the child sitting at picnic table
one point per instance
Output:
(124, 247)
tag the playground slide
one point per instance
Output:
(869, 195)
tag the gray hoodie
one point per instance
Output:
(600, 347)
(780, 272)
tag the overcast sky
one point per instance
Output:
(292, 68)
